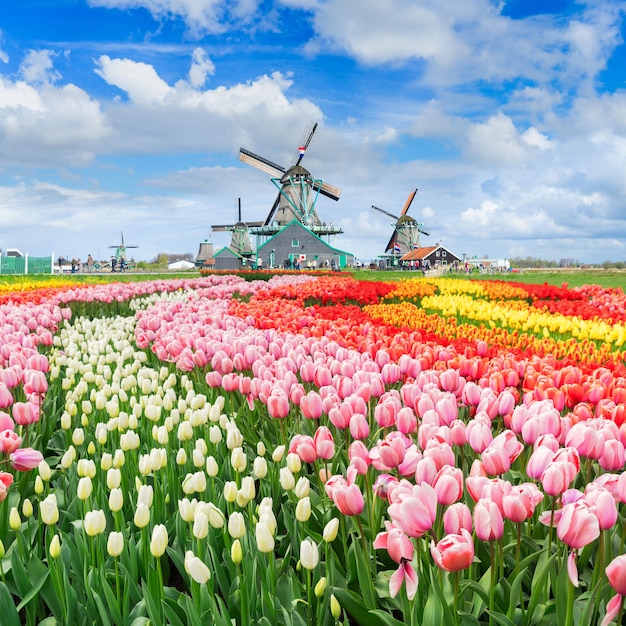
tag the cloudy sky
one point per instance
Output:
(128, 115)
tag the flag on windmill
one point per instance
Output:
(396, 247)
(415, 246)
(302, 150)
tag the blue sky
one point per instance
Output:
(128, 115)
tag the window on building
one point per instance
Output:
(437, 253)
(295, 243)
(443, 253)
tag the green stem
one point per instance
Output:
(569, 615)
(456, 598)
(492, 586)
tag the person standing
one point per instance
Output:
(113, 263)
(89, 264)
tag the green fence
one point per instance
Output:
(25, 265)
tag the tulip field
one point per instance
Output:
(312, 450)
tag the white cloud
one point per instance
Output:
(200, 16)
(37, 67)
(139, 80)
(201, 68)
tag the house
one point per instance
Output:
(437, 256)
(181, 265)
(228, 259)
(296, 242)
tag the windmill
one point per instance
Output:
(406, 230)
(120, 249)
(240, 237)
(297, 190)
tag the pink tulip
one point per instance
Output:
(416, 511)
(304, 447)
(520, 503)
(324, 443)
(602, 504)
(538, 461)
(557, 477)
(488, 521)
(448, 485)
(10, 441)
(613, 456)
(616, 573)
(456, 517)
(578, 525)
(6, 399)
(24, 459)
(454, 552)
(348, 499)
(359, 428)
(386, 413)
(278, 405)
(495, 460)
(478, 434)
(339, 416)
(311, 405)
(404, 574)
(398, 545)
(383, 484)
(25, 413)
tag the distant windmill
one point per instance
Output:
(240, 237)
(120, 249)
(297, 189)
(406, 230)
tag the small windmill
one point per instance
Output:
(297, 189)
(120, 249)
(406, 230)
(240, 237)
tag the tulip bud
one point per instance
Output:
(48, 510)
(78, 437)
(320, 587)
(200, 525)
(181, 456)
(106, 461)
(27, 508)
(15, 521)
(38, 485)
(55, 547)
(335, 607)
(260, 467)
(114, 477)
(264, 539)
(196, 568)
(44, 471)
(330, 530)
(236, 553)
(230, 491)
(142, 515)
(278, 454)
(309, 554)
(238, 460)
(187, 509)
(115, 544)
(116, 500)
(260, 448)
(68, 457)
(158, 542)
(94, 523)
(85, 488)
(293, 462)
(287, 479)
(215, 515)
(236, 525)
(303, 509)
(302, 487)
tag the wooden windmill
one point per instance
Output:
(406, 230)
(297, 189)
(240, 234)
(120, 249)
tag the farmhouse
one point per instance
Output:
(437, 256)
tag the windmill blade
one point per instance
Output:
(259, 162)
(424, 232)
(304, 144)
(221, 228)
(392, 240)
(270, 215)
(328, 190)
(395, 217)
(409, 200)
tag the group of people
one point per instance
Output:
(120, 266)
(76, 265)
(311, 264)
